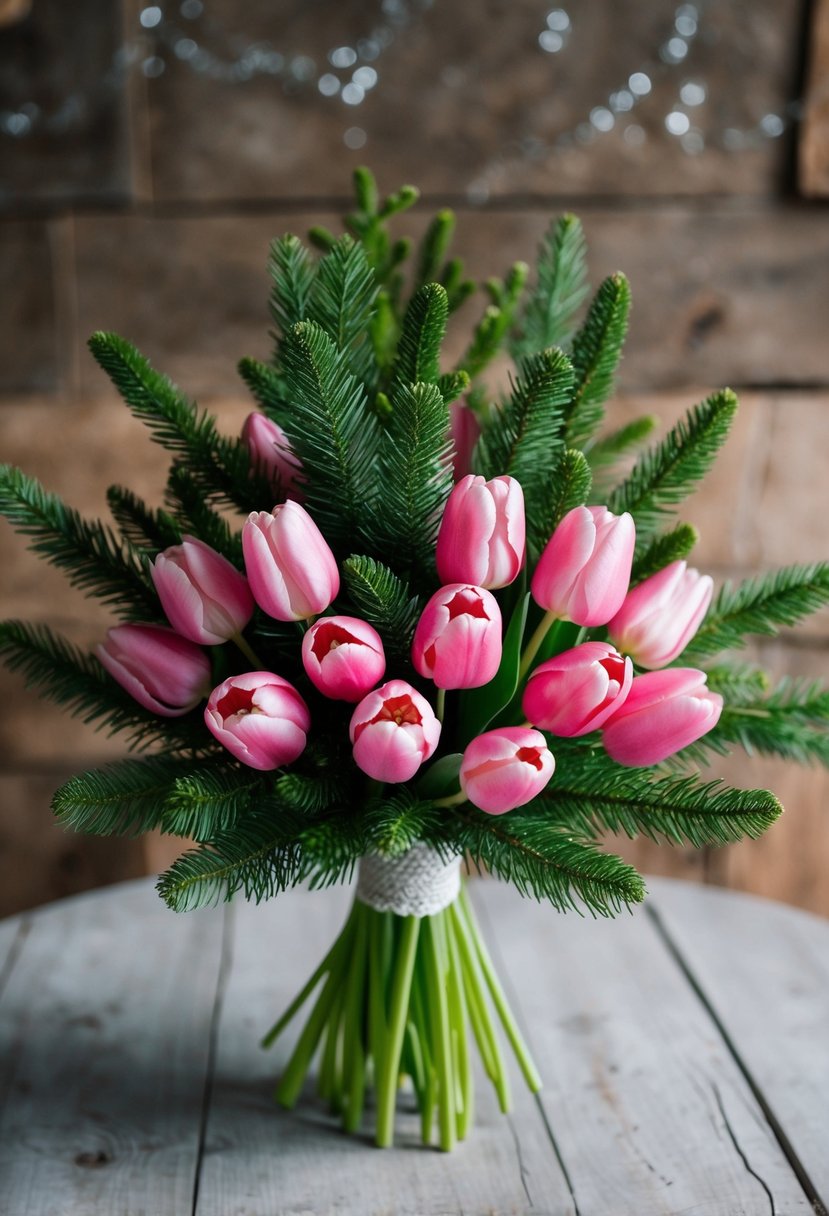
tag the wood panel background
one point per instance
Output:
(152, 215)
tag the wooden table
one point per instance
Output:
(685, 1051)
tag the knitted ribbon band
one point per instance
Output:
(419, 883)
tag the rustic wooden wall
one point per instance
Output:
(153, 215)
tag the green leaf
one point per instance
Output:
(597, 348)
(88, 552)
(332, 432)
(759, 606)
(123, 799)
(670, 470)
(440, 779)
(478, 706)
(424, 326)
(292, 271)
(664, 549)
(560, 290)
(385, 601)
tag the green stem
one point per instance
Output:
(482, 1026)
(354, 1056)
(440, 704)
(439, 1017)
(248, 651)
(458, 1014)
(531, 649)
(387, 1081)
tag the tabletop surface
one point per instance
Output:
(684, 1051)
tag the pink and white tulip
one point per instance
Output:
(660, 616)
(393, 730)
(465, 430)
(163, 671)
(506, 768)
(457, 642)
(664, 712)
(204, 597)
(482, 533)
(584, 571)
(343, 657)
(260, 718)
(272, 456)
(578, 690)
(292, 571)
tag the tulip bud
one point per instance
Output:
(393, 729)
(292, 571)
(343, 657)
(505, 768)
(664, 712)
(162, 671)
(204, 597)
(272, 456)
(482, 533)
(584, 571)
(660, 616)
(578, 690)
(457, 642)
(465, 430)
(260, 718)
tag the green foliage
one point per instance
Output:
(332, 433)
(89, 553)
(342, 303)
(312, 794)
(212, 799)
(792, 721)
(759, 606)
(668, 472)
(543, 859)
(559, 291)
(669, 547)
(452, 385)
(569, 487)
(220, 466)
(292, 271)
(395, 822)
(498, 319)
(609, 448)
(121, 799)
(414, 463)
(140, 525)
(424, 326)
(195, 516)
(738, 683)
(267, 385)
(434, 247)
(590, 795)
(385, 601)
(597, 349)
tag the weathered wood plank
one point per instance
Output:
(105, 1027)
(764, 969)
(261, 1160)
(813, 149)
(28, 314)
(649, 1111)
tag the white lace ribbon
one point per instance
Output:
(418, 883)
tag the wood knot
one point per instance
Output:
(93, 1160)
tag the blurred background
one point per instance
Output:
(148, 153)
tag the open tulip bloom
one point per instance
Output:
(400, 671)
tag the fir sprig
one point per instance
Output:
(597, 348)
(559, 291)
(386, 602)
(792, 721)
(122, 799)
(142, 526)
(292, 270)
(424, 326)
(664, 549)
(342, 302)
(569, 487)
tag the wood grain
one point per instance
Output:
(813, 148)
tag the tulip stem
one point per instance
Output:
(440, 704)
(451, 800)
(531, 650)
(248, 651)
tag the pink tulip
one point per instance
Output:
(578, 690)
(465, 430)
(664, 712)
(393, 729)
(457, 642)
(505, 768)
(271, 455)
(584, 571)
(482, 533)
(204, 597)
(343, 657)
(260, 718)
(292, 571)
(162, 671)
(660, 616)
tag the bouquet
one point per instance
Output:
(450, 626)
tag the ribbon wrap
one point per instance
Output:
(418, 883)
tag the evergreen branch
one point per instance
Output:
(609, 448)
(331, 848)
(569, 487)
(267, 386)
(668, 547)
(332, 433)
(414, 464)
(342, 303)
(597, 348)
(739, 684)
(458, 289)
(89, 553)
(560, 289)
(452, 385)
(122, 799)
(385, 601)
(792, 721)
(141, 526)
(433, 249)
(666, 473)
(545, 860)
(591, 795)
(759, 606)
(195, 516)
(424, 325)
(210, 800)
(62, 673)
(312, 794)
(292, 271)
(396, 822)
(498, 319)
(221, 466)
